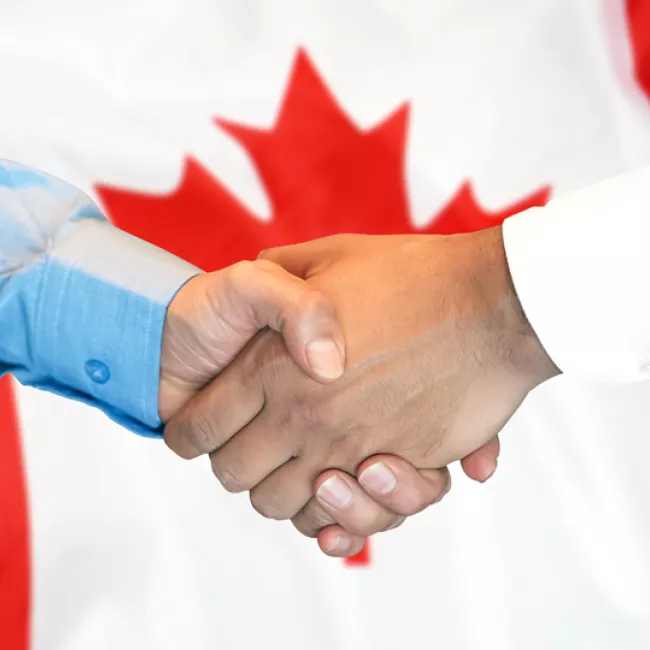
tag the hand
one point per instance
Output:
(214, 315)
(379, 504)
(234, 303)
(439, 355)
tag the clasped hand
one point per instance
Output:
(438, 356)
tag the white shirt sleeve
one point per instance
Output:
(581, 269)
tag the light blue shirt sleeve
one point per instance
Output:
(82, 304)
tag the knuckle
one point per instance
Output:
(311, 520)
(438, 484)
(303, 528)
(345, 449)
(412, 502)
(201, 431)
(176, 437)
(396, 522)
(240, 275)
(231, 477)
(243, 269)
(365, 524)
(311, 413)
(270, 504)
(265, 254)
(442, 485)
(308, 414)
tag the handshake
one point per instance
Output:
(335, 380)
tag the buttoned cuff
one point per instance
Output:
(97, 304)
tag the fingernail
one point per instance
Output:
(489, 473)
(378, 478)
(325, 359)
(335, 492)
(338, 545)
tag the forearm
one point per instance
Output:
(82, 304)
(580, 267)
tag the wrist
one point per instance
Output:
(181, 371)
(520, 348)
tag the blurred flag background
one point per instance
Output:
(216, 128)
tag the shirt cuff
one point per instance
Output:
(98, 320)
(580, 267)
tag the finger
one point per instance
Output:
(399, 487)
(312, 518)
(481, 464)
(285, 492)
(261, 294)
(251, 456)
(337, 542)
(354, 509)
(340, 499)
(221, 409)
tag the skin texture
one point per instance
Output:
(439, 357)
(375, 507)
(213, 316)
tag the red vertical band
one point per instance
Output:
(14, 529)
(638, 18)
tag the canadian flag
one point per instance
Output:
(216, 129)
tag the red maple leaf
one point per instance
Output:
(323, 175)
(638, 18)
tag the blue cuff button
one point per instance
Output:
(97, 371)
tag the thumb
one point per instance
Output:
(266, 295)
(214, 315)
(482, 463)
